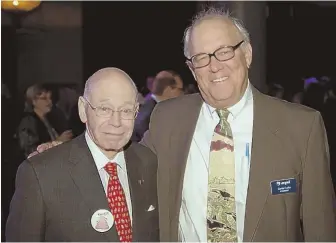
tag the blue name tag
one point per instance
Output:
(283, 186)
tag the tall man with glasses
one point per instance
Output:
(233, 163)
(98, 186)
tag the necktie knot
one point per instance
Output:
(223, 114)
(111, 168)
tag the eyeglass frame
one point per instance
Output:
(234, 48)
(136, 110)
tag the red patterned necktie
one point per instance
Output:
(118, 204)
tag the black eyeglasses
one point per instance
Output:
(222, 54)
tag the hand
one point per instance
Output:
(65, 136)
(43, 147)
(32, 154)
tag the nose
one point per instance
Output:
(215, 65)
(115, 119)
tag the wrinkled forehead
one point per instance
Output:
(212, 33)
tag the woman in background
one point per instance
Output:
(35, 128)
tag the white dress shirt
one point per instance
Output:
(101, 160)
(193, 212)
(155, 98)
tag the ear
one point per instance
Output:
(248, 54)
(191, 68)
(81, 109)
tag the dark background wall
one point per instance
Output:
(300, 40)
(145, 37)
(140, 37)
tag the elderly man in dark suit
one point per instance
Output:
(233, 163)
(98, 186)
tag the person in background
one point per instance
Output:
(191, 89)
(35, 128)
(276, 90)
(149, 85)
(313, 96)
(167, 85)
(330, 122)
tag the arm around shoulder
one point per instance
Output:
(26, 217)
(318, 197)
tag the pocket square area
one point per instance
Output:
(151, 208)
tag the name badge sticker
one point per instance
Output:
(283, 186)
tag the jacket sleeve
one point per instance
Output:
(318, 196)
(147, 139)
(26, 220)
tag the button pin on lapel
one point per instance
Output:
(141, 181)
(102, 220)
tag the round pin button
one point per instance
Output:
(102, 220)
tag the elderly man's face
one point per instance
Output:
(110, 132)
(221, 84)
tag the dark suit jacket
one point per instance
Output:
(141, 124)
(58, 191)
(32, 132)
(289, 141)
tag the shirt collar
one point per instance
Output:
(99, 158)
(236, 108)
(155, 98)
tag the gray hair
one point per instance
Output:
(209, 13)
(31, 93)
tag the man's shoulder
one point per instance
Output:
(291, 118)
(279, 106)
(142, 151)
(55, 155)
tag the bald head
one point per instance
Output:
(109, 78)
(164, 74)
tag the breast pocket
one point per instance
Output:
(285, 198)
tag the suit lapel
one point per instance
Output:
(180, 142)
(135, 179)
(262, 157)
(86, 177)
(261, 169)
